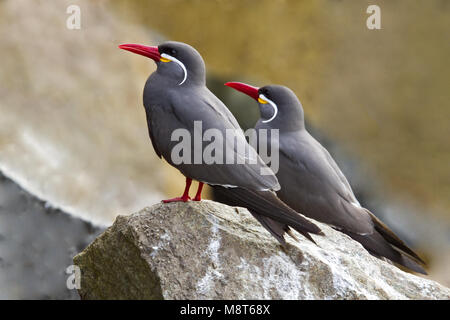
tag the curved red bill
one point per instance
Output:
(244, 88)
(149, 52)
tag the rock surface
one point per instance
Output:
(206, 250)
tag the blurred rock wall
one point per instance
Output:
(72, 124)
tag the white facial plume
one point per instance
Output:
(274, 106)
(169, 57)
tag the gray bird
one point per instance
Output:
(176, 97)
(311, 181)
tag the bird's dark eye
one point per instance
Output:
(265, 92)
(170, 51)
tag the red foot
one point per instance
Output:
(177, 199)
(185, 197)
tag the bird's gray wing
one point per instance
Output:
(325, 192)
(220, 108)
(346, 189)
(322, 192)
(203, 106)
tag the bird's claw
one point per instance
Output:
(177, 199)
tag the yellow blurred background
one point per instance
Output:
(73, 130)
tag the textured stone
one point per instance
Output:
(207, 250)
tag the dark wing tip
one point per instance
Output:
(411, 264)
(308, 236)
(393, 239)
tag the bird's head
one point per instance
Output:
(178, 62)
(278, 105)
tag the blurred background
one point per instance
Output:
(74, 147)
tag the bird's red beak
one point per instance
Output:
(245, 88)
(149, 52)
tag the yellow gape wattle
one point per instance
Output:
(164, 60)
(261, 100)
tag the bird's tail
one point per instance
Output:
(269, 210)
(384, 243)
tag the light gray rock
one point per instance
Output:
(206, 250)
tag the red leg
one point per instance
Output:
(198, 195)
(185, 197)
